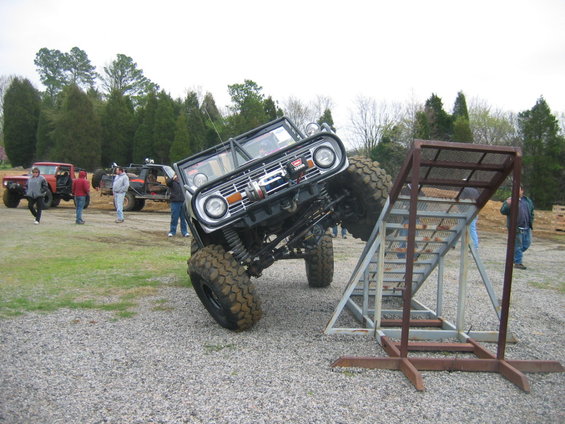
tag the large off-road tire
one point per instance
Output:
(224, 288)
(11, 199)
(48, 200)
(55, 202)
(129, 202)
(320, 263)
(139, 204)
(97, 177)
(369, 185)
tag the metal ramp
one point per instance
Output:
(436, 196)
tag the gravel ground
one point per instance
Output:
(173, 364)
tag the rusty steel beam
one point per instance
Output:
(413, 323)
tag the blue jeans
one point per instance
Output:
(119, 204)
(343, 231)
(177, 212)
(80, 202)
(523, 241)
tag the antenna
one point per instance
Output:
(212, 122)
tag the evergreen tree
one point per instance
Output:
(196, 122)
(164, 130)
(143, 139)
(77, 130)
(214, 125)
(390, 153)
(543, 152)
(118, 130)
(51, 68)
(248, 107)
(327, 118)
(439, 121)
(461, 125)
(45, 143)
(271, 109)
(422, 126)
(21, 111)
(180, 148)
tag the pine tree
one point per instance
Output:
(118, 130)
(45, 143)
(440, 123)
(461, 124)
(21, 116)
(327, 118)
(77, 131)
(180, 148)
(143, 139)
(164, 130)
(543, 151)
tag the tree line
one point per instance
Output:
(121, 116)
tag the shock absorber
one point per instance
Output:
(240, 253)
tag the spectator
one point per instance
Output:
(525, 225)
(177, 208)
(472, 193)
(36, 190)
(81, 190)
(120, 188)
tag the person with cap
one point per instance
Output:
(35, 192)
(81, 189)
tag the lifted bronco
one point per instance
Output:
(271, 194)
(146, 182)
(59, 177)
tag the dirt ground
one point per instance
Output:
(490, 219)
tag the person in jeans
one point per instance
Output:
(120, 188)
(81, 189)
(343, 232)
(177, 208)
(525, 224)
(36, 189)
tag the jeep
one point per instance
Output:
(146, 182)
(59, 177)
(269, 194)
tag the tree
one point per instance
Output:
(298, 112)
(461, 127)
(543, 152)
(272, 111)
(389, 152)
(164, 129)
(248, 107)
(118, 129)
(439, 121)
(79, 70)
(144, 135)
(327, 118)
(122, 75)
(493, 127)
(180, 148)
(21, 115)
(45, 144)
(197, 130)
(77, 130)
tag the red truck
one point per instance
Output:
(59, 177)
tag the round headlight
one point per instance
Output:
(199, 179)
(215, 207)
(324, 157)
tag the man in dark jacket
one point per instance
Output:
(36, 189)
(525, 224)
(177, 208)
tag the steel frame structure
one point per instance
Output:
(438, 192)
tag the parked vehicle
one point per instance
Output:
(146, 182)
(271, 194)
(59, 177)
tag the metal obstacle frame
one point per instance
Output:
(424, 217)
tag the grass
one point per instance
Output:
(44, 271)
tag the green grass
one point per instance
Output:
(44, 271)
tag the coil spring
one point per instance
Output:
(240, 253)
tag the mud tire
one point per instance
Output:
(48, 200)
(97, 177)
(224, 288)
(320, 263)
(129, 202)
(11, 200)
(370, 186)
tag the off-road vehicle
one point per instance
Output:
(271, 194)
(146, 182)
(59, 177)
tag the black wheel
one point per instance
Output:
(320, 263)
(56, 201)
(129, 202)
(11, 200)
(139, 204)
(369, 186)
(97, 177)
(224, 288)
(48, 200)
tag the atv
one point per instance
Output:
(270, 194)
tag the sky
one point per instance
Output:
(504, 53)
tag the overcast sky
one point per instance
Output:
(507, 53)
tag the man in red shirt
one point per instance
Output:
(81, 189)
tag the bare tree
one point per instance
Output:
(492, 127)
(297, 111)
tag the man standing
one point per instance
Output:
(120, 188)
(525, 224)
(36, 190)
(472, 193)
(81, 189)
(177, 208)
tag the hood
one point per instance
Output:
(82, 174)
